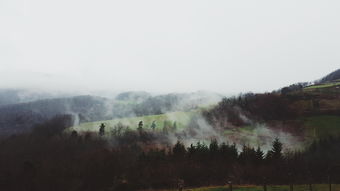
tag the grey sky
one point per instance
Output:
(223, 46)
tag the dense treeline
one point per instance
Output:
(289, 103)
(49, 159)
(240, 110)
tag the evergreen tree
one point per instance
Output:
(179, 149)
(229, 151)
(202, 148)
(165, 127)
(276, 152)
(259, 154)
(153, 125)
(140, 126)
(191, 149)
(213, 147)
(102, 129)
(74, 134)
(174, 127)
(233, 151)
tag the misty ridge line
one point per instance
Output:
(203, 132)
(198, 130)
(137, 104)
(94, 108)
(120, 107)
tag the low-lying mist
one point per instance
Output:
(176, 117)
(167, 133)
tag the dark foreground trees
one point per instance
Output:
(48, 159)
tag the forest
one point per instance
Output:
(47, 158)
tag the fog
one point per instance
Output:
(166, 46)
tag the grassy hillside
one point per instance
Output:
(296, 118)
(322, 126)
(323, 85)
(181, 119)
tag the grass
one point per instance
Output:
(326, 85)
(315, 187)
(182, 119)
(322, 126)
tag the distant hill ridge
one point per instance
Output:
(331, 77)
(22, 116)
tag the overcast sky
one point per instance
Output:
(225, 46)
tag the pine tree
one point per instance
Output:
(276, 152)
(165, 127)
(213, 147)
(140, 126)
(74, 134)
(179, 149)
(153, 125)
(174, 127)
(102, 129)
(259, 154)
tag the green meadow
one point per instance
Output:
(181, 118)
(325, 85)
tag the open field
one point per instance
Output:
(181, 118)
(315, 187)
(326, 85)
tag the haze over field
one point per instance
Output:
(166, 46)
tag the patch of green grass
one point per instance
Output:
(326, 85)
(181, 118)
(322, 126)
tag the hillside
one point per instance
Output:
(182, 120)
(298, 114)
(307, 113)
(15, 96)
(331, 77)
(22, 116)
(248, 138)
(330, 82)
(132, 96)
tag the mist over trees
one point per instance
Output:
(15, 96)
(49, 156)
(287, 104)
(21, 117)
(50, 159)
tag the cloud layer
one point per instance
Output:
(228, 46)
